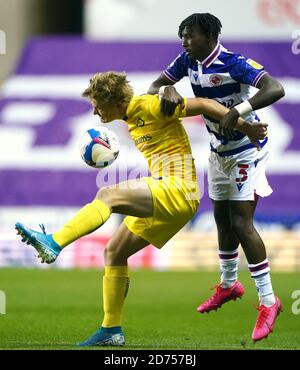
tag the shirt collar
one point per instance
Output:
(212, 56)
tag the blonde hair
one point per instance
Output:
(109, 88)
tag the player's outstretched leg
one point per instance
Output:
(133, 198)
(115, 288)
(87, 219)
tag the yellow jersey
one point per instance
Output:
(162, 140)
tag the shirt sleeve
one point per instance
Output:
(246, 71)
(177, 69)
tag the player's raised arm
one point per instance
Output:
(209, 107)
(162, 80)
(217, 111)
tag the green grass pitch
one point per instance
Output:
(54, 309)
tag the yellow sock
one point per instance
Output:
(115, 288)
(86, 220)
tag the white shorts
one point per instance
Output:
(238, 177)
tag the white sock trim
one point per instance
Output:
(229, 252)
(257, 264)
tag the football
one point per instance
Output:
(99, 147)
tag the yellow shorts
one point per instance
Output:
(174, 203)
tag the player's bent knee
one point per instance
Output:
(103, 193)
(115, 253)
(106, 195)
(223, 223)
(241, 226)
(111, 196)
(109, 256)
(114, 256)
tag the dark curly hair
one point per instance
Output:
(203, 22)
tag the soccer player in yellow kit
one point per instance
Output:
(157, 207)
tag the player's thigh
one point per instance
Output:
(123, 244)
(248, 176)
(131, 197)
(222, 213)
(218, 180)
(243, 211)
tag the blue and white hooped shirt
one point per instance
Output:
(225, 77)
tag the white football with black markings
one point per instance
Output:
(99, 147)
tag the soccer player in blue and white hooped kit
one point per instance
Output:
(236, 170)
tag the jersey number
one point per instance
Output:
(243, 172)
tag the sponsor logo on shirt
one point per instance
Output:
(254, 64)
(142, 139)
(140, 122)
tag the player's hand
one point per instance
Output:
(228, 122)
(169, 101)
(256, 132)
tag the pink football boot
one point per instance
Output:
(222, 296)
(266, 320)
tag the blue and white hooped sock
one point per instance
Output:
(229, 266)
(260, 272)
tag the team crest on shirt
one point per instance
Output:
(140, 122)
(215, 80)
(254, 64)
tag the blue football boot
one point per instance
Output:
(44, 244)
(112, 337)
